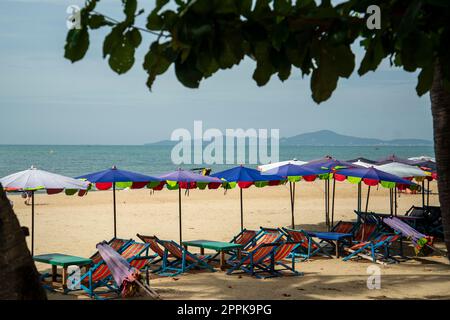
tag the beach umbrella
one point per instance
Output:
(115, 178)
(294, 173)
(363, 160)
(403, 171)
(33, 180)
(183, 179)
(363, 164)
(270, 166)
(393, 158)
(244, 177)
(371, 177)
(329, 165)
(429, 166)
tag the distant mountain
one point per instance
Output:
(330, 138)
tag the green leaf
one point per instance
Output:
(282, 7)
(96, 21)
(113, 39)
(77, 43)
(262, 73)
(425, 80)
(154, 21)
(188, 74)
(372, 58)
(344, 61)
(323, 82)
(157, 61)
(130, 7)
(121, 59)
(134, 37)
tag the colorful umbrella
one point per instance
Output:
(32, 180)
(115, 178)
(294, 173)
(270, 166)
(244, 177)
(371, 177)
(393, 158)
(182, 179)
(329, 165)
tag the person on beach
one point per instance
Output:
(27, 196)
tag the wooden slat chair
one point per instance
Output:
(376, 250)
(308, 247)
(116, 243)
(184, 262)
(155, 247)
(264, 259)
(343, 227)
(364, 232)
(100, 276)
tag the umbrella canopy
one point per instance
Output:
(402, 170)
(33, 179)
(270, 166)
(361, 159)
(245, 177)
(363, 164)
(371, 177)
(113, 177)
(423, 158)
(182, 179)
(393, 158)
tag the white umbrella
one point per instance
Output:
(269, 166)
(33, 179)
(423, 158)
(402, 170)
(363, 164)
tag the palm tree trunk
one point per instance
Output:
(440, 108)
(19, 278)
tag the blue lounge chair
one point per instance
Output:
(377, 251)
(184, 260)
(307, 246)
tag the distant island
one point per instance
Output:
(330, 138)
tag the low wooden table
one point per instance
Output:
(219, 246)
(64, 261)
(335, 238)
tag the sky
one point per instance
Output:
(45, 99)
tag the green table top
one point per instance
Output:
(63, 260)
(210, 244)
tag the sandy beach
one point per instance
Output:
(73, 225)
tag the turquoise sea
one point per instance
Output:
(77, 160)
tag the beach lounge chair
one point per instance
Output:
(265, 235)
(184, 260)
(421, 241)
(307, 246)
(244, 237)
(377, 251)
(116, 243)
(364, 232)
(343, 227)
(99, 275)
(154, 246)
(265, 258)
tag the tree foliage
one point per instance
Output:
(201, 37)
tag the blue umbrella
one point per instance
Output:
(245, 177)
(292, 170)
(108, 178)
(329, 164)
(188, 180)
(372, 177)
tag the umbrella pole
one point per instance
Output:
(390, 201)
(367, 200)
(332, 202)
(242, 211)
(395, 201)
(428, 193)
(291, 194)
(293, 205)
(326, 203)
(32, 223)
(179, 212)
(423, 193)
(114, 208)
